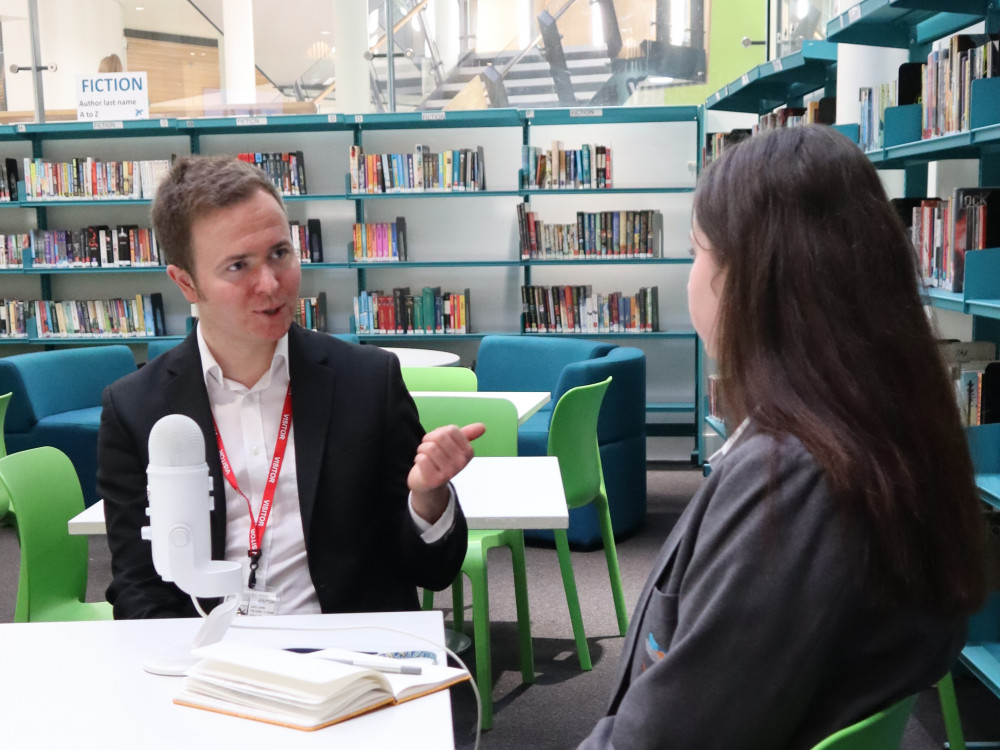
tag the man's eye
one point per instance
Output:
(237, 266)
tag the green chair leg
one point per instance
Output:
(428, 602)
(481, 635)
(523, 614)
(949, 711)
(611, 555)
(572, 600)
(458, 604)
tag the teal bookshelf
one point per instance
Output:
(783, 81)
(324, 140)
(903, 23)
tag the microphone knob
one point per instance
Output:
(180, 537)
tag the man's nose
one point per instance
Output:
(267, 279)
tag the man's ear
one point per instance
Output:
(185, 281)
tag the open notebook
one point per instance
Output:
(303, 691)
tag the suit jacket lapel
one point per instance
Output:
(313, 380)
(186, 394)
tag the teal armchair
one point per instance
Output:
(56, 401)
(557, 364)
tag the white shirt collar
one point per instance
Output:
(212, 370)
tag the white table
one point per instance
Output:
(422, 357)
(527, 402)
(520, 492)
(81, 685)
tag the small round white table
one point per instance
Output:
(422, 357)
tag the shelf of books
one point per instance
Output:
(607, 187)
(612, 187)
(780, 81)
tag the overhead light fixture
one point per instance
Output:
(325, 33)
(139, 7)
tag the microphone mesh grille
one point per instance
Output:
(176, 440)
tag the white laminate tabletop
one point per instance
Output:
(527, 402)
(81, 685)
(422, 357)
(519, 492)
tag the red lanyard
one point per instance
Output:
(258, 525)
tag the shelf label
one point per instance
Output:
(745, 79)
(359, 118)
(240, 121)
(164, 122)
(586, 112)
(21, 128)
(529, 113)
(777, 65)
(332, 119)
(112, 96)
(854, 14)
(118, 125)
(432, 116)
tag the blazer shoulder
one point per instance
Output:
(326, 349)
(148, 381)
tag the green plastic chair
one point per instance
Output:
(44, 491)
(949, 712)
(883, 731)
(4, 502)
(439, 378)
(500, 417)
(573, 440)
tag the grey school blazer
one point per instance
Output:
(753, 630)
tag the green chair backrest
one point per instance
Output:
(439, 378)
(44, 492)
(4, 400)
(498, 414)
(883, 731)
(573, 440)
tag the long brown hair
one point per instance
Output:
(822, 335)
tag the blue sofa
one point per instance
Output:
(520, 363)
(57, 401)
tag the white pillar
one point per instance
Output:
(238, 53)
(446, 31)
(350, 40)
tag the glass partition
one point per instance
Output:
(796, 21)
(283, 57)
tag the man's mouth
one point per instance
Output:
(271, 311)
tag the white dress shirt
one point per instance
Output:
(247, 420)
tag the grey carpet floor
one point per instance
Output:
(562, 705)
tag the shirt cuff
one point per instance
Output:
(429, 532)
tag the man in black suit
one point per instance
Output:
(353, 509)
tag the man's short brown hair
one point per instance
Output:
(194, 187)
